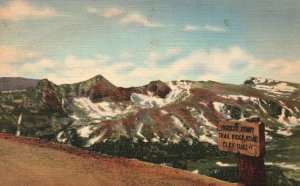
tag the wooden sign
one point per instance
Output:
(241, 137)
(247, 140)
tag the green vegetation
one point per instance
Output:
(273, 108)
(176, 155)
(275, 176)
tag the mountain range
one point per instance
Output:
(94, 113)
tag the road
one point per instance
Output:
(35, 162)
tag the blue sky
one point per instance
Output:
(133, 42)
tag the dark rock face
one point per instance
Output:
(159, 88)
(16, 83)
(101, 90)
(49, 97)
(51, 101)
(122, 94)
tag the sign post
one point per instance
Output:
(247, 140)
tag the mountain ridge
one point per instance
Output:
(98, 100)
(153, 122)
(16, 83)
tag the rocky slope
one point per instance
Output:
(95, 113)
(172, 111)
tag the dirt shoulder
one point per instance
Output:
(27, 161)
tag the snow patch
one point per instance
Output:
(75, 117)
(139, 130)
(146, 101)
(85, 131)
(18, 132)
(203, 103)
(268, 137)
(200, 117)
(209, 130)
(177, 123)
(192, 132)
(100, 110)
(268, 129)
(236, 97)
(20, 119)
(195, 171)
(224, 164)
(190, 141)
(119, 127)
(176, 138)
(205, 138)
(278, 89)
(258, 80)
(293, 120)
(220, 107)
(284, 165)
(255, 100)
(205, 120)
(60, 138)
(156, 138)
(93, 140)
(281, 118)
(164, 112)
(179, 90)
(284, 132)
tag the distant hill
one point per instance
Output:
(16, 83)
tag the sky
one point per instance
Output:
(134, 42)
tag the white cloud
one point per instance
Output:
(215, 64)
(43, 64)
(214, 60)
(9, 56)
(191, 28)
(285, 70)
(74, 69)
(210, 28)
(19, 10)
(136, 19)
(113, 12)
(130, 18)
(213, 28)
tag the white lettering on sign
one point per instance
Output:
(239, 137)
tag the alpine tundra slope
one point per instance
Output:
(172, 123)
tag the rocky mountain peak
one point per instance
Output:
(158, 88)
(259, 80)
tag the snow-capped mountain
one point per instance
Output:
(96, 110)
(161, 122)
